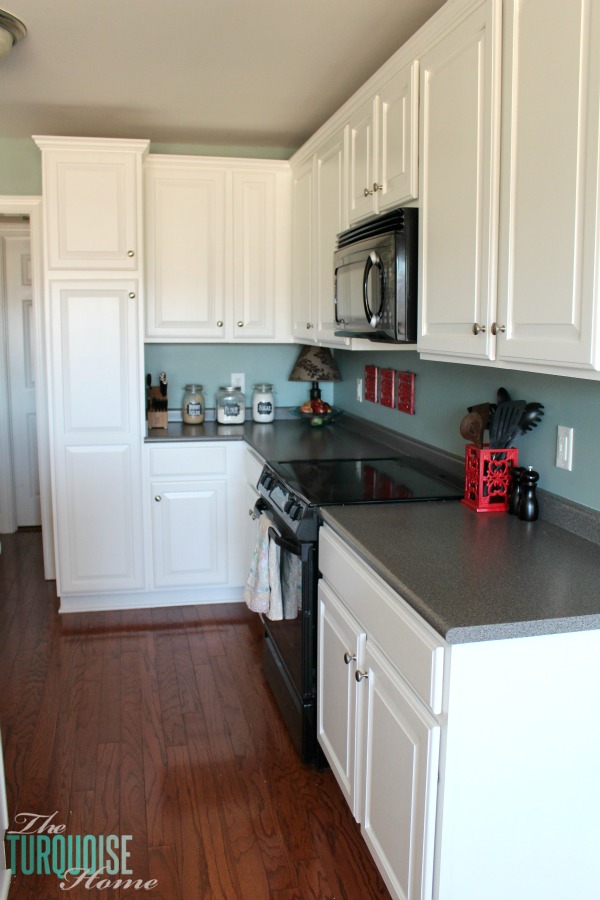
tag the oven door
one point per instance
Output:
(290, 648)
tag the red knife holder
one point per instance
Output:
(487, 477)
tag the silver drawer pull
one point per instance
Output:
(349, 657)
(158, 498)
(360, 675)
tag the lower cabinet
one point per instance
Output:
(378, 734)
(196, 495)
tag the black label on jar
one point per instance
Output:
(264, 408)
(194, 409)
(232, 410)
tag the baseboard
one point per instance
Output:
(75, 603)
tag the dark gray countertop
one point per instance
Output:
(472, 576)
(476, 576)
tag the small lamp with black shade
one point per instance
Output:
(315, 364)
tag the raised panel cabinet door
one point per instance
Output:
(340, 649)
(361, 171)
(397, 171)
(401, 741)
(99, 521)
(330, 219)
(189, 533)
(185, 252)
(91, 199)
(254, 255)
(548, 271)
(459, 183)
(94, 356)
(303, 323)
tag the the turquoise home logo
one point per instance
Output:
(38, 845)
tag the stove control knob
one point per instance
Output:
(267, 481)
(289, 505)
(295, 511)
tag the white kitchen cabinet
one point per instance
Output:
(96, 486)
(92, 197)
(196, 495)
(547, 296)
(380, 679)
(218, 249)
(383, 147)
(303, 264)
(189, 532)
(458, 219)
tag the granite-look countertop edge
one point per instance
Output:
(476, 578)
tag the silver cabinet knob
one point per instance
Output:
(309, 324)
(477, 328)
(219, 324)
(377, 187)
(368, 192)
(130, 253)
(132, 295)
(497, 329)
(360, 675)
(158, 498)
(349, 657)
(240, 324)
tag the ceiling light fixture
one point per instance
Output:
(11, 31)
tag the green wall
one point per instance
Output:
(443, 391)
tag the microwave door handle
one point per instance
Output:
(373, 259)
(335, 298)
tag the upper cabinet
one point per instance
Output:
(92, 194)
(383, 147)
(509, 224)
(218, 249)
(459, 133)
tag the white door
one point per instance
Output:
(21, 361)
(360, 163)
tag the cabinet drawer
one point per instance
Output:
(253, 466)
(409, 643)
(173, 462)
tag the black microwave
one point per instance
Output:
(375, 279)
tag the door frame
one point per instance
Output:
(32, 207)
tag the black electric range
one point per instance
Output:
(296, 489)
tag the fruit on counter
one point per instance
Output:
(320, 407)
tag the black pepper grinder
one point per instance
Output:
(516, 490)
(528, 506)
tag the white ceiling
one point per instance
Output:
(222, 73)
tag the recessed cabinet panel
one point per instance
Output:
(254, 243)
(99, 537)
(398, 169)
(360, 162)
(547, 275)
(186, 253)
(189, 533)
(92, 210)
(458, 227)
(401, 753)
(303, 324)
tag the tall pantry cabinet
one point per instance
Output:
(93, 280)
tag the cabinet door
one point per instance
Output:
(96, 435)
(189, 533)
(330, 219)
(341, 644)
(303, 324)
(459, 97)
(548, 279)
(398, 145)
(254, 255)
(401, 759)
(92, 205)
(185, 223)
(361, 177)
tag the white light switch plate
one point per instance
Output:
(564, 448)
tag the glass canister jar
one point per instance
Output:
(193, 404)
(263, 405)
(231, 406)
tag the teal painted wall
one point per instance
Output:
(443, 391)
(213, 364)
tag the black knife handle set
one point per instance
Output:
(157, 402)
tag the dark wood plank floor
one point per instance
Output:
(159, 724)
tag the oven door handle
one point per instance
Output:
(291, 546)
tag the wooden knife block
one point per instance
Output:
(157, 418)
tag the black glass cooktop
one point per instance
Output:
(320, 482)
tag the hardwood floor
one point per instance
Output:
(159, 724)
